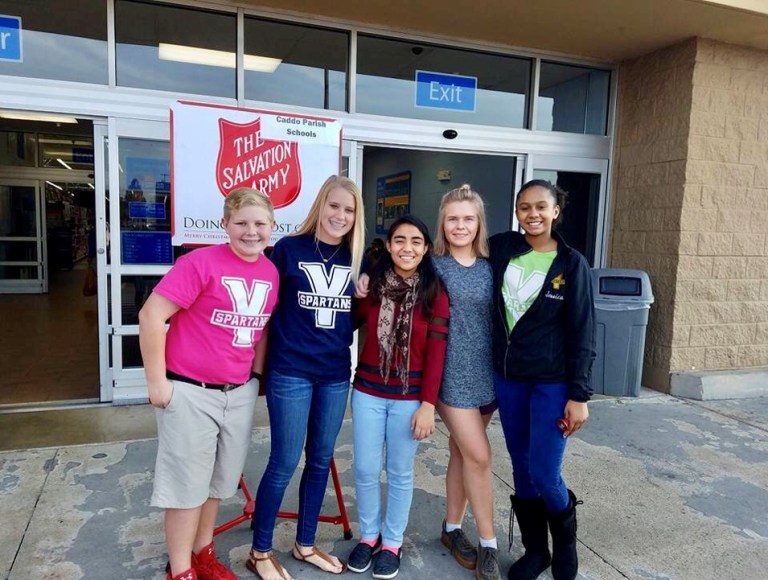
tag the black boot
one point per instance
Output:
(565, 562)
(532, 518)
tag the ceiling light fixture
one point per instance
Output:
(221, 58)
(64, 163)
(54, 185)
(45, 118)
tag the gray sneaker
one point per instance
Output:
(460, 547)
(487, 564)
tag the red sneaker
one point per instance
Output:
(209, 567)
(186, 575)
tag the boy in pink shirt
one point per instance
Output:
(203, 377)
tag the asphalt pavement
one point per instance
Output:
(672, 489)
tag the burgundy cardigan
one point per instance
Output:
(427, 353)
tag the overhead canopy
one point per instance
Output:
(605, 30)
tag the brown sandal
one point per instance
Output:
(251, 564)
(297, 555)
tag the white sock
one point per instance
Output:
(451, 527)
(489, 543)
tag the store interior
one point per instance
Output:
(397, 181)
(49, 336)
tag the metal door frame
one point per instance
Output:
(40, 284)
(582, 165)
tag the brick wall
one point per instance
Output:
(691, 203)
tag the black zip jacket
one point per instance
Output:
(554, 341)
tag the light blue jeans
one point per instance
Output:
(299, 409)
(377, 422)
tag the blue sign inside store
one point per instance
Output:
(146, 248)
(146, 210)
(82, 154)
(10, 38)
(444, 91)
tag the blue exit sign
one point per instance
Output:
(10, 38)
(444, 91)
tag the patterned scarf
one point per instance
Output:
(394, 333)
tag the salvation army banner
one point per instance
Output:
(216, 149)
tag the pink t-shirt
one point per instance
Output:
(225, 304)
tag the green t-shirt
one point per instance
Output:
(522, 283)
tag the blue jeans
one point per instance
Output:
(529, 414)
(299, 409)
(377, 421)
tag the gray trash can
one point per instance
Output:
(622, 301)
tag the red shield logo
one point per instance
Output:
(247, 160)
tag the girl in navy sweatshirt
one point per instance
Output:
(309, 368)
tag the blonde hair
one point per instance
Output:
(247, 196)
(355, 238)
(480, 243)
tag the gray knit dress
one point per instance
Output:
(468, 372)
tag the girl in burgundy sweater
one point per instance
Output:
(395, 389)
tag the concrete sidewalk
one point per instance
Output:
(671, 489)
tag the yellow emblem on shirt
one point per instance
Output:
(558, 281)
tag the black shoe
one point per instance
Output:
(460, 547)
(387, 564)
(361, 556)
(487, 564)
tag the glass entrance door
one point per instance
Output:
(396, 181)
(134, 245)
(583, 218)
(21, 238)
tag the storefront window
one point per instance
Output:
(295, 65)
(64, 41)
(177, 49)
(134, 291)
(17, 148)
(573, 99)
(131, 352)
(454, 85)
(68, 151)
(145, 202)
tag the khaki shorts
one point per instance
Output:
(203, 440)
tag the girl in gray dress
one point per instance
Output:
(467, 394)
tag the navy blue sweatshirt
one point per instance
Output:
(311, 329)
(554, 341)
